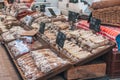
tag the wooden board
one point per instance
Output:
(87, 71)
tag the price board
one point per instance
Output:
(61, 37)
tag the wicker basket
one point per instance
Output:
(109, 16)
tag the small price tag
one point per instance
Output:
(42, 27)
(42, 8)
(61, 37)
(95, 24)
(72, 16)
(51, 11)
(118, 42)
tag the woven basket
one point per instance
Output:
(109, 16)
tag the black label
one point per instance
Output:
(72, 16)
(42, 8)
(61, 37)
(51, 11)
(42, 27)
(95, 24)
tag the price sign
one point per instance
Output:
(42, 8)
(51, 11)
(118, 42)
(42, 27)
(72, 16)
(61, 37)
(95, 24)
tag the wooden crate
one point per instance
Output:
(90, 57)
(63, 52)
(115, 75)
(87, 71)
(114, 71)
(116, 57)
(44, 77)
(113, 64)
